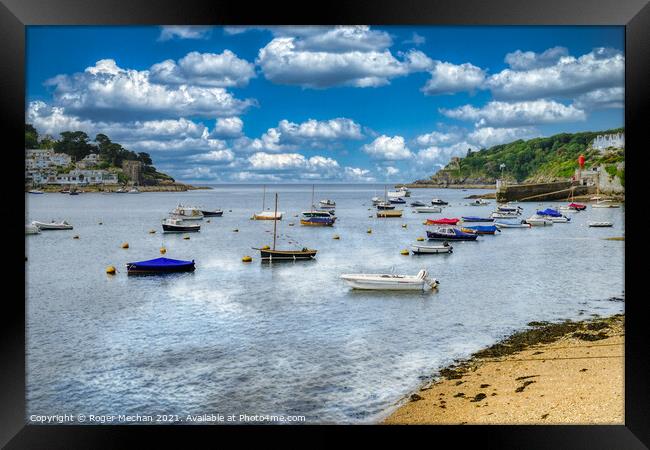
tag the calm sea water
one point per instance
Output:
(287, 338)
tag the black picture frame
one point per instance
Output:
(633, 14)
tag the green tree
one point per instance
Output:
(75, 144)
(31, 136)
(145, 158)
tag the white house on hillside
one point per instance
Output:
(605, 141)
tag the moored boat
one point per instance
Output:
(504, 215)
(32, 229)
(518, 224)
(443, 221)
(437, 201)
(376, 200)
(418, 203)
(601, 224)
(477, 219)
(53, 225)
(577, 206)
(427, 209)
(605, 204)
(479, 202)
(398, 200)
(481, 229)
(448, 233)
(561, 219)
(187, 212)
(549, 212)
(159, 266)
(539, 221)
(389, 213)
(327, 203)
(418, 249)
(385, 205)
(213, 213)
(390, 282)
(509, 208)
(316, 221)
(175, 225)
(35, 191)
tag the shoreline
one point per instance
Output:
(176, 187)
(552, 373)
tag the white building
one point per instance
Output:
(83, 177)
(605, 141)
(45, 158)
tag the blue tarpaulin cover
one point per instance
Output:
(477, 219)
(484, 228)
(549, 212)
(160, 264)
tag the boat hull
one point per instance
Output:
(159, 266)
(427, 209)
(434, 236)
(180, 228)
(389, 213)
(52, 226)
(212, 213)
(286, 255)
(317, 222)
(431, 249)
(267, 216)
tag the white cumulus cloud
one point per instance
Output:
(388, 148)
(168, 32)
(448, 78)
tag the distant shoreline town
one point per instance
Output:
(74, 163)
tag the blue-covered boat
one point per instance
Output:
(318, 221)
(398, 200)
(159, 265)
(477, 219)
(450, 234)
(549, 212)
(482, 229)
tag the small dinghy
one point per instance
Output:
(508, 208)
(443, 221)
(174, 225)
(605, 204)
(518, 224)
(450, 234)
(418, 203)
(418, 249)
(561, 219)
(427, 209)
(53, 225)
(35, 191)
(389, 213)
(577, 206)
(215, 213)
(159, 266)
(437, 201)
(601, 224)
(398, 200)
(390, 282)
(539, 221)
(504, 215)
(477, 219)
(32, 229)
(479, 202)
(481, 229)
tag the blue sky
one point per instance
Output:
(321, 104)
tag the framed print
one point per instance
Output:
(416, 213)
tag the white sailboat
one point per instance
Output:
(264, 214)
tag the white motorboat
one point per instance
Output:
(519, 224)
(504, 215)
(327, 203)
(267, 215)
(134, 190)
(508, 209)
(437, 201)
(376, 200)
(53, 225)
(35, 191)
(176, 225)
(32, 229)
(567, 209)
(601, 224)
(479, 202)
(419, 249)
(605, 204)
(385, 205)
(539, 221)
(390, 282)
(187, 213)
(427, 209)
(395, 194)
(561, 219)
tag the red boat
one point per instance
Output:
(444, 221)
(577, 206)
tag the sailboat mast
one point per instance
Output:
(275, 219)
(264, 198)
(312, 197)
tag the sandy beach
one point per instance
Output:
(566, 373)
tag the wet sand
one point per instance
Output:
(567, 373)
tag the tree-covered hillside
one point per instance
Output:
(545, 158)
(78, 145)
